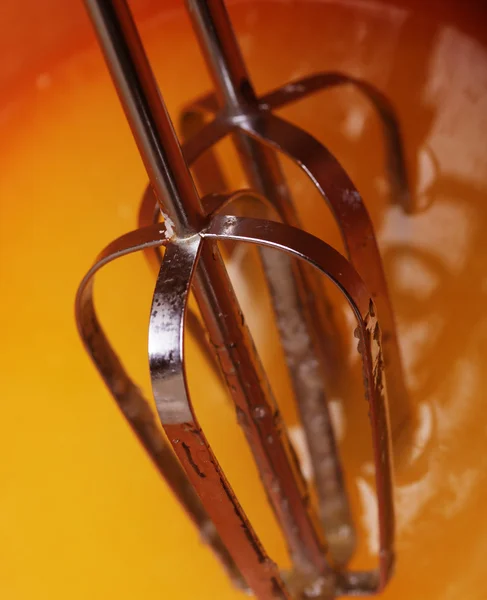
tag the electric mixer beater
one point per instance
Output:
(321, 544)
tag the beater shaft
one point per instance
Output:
(293, 288)
(191, 230)
(240, 364)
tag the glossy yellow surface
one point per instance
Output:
(83, 513)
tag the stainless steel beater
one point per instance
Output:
(320, 545)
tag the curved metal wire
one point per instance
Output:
(135, 408)
(166, 348)
(188, 246)
(333, 183)
(171, 395)
(358, 236)
(279, 466)
(394, 148)
(301, 88)
(294, 301)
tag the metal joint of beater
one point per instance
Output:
(192, 261)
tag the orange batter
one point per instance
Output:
(83, 513)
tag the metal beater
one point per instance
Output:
(320, 545)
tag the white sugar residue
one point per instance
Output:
(460, 110)
(460, 486)
(169, 227)
(413, 274)
(354, 123)
(414, 339)
(351, 321)
(337, 416)
(298, 439)
(442, 231)
(352, 198)
(369, 515)
(410, 499)
(423, 433)
(368, 468)
(428, 169)
(465, 377)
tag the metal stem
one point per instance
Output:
(235, 94)
(229, 335)
(292, 289)
(222, 54)
(146, 111)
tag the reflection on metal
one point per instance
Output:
(293, 262)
